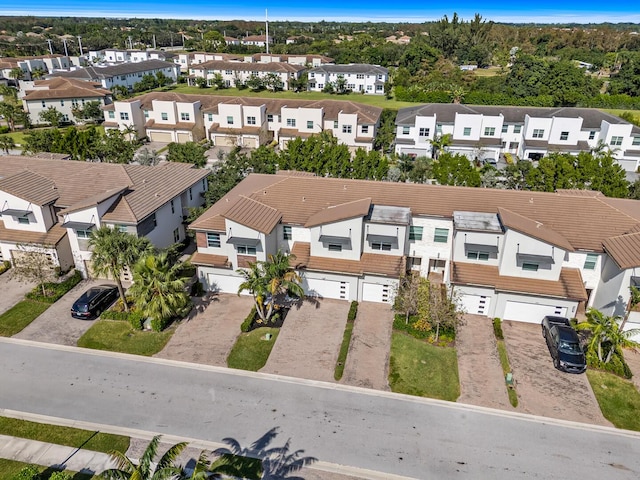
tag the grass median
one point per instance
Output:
(10, 469)
(19, 316)
(618, 398)
(118, 336)
(251, 350)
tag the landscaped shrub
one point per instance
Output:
(246, 325)
(30, 472)
(159, 324)
(4, 129)
(55, 290)
(400, 323)
(117, 313)
(497, 328)
(353, 311)
(616, 365)
(60, 476)
(197, 290)
(4, 266)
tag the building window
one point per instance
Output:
(590, 261)
(471, 255)
(229, 120)
(334, 247)
(24, 220)
(210, 117)
(124, 116)
(564, 135)
(164, 116)
(176, 235)
(538, 133)
(415, 233)
(423, 132)
(592, 135)
(530, 267)
(385, 247)
(251, 120)
(346, 129)
(405, 130)
(287, 234)
(517, 128)
(213, 240)
(309, 123)
(489, 131)
(154, 220)
(204, 184)
(65, 118)
(467, 131)
(190, 194)
(146, 114)
(441, 235)
(616, 141)
(184, 116)
(246, 250)
(122, 228)
(44, 104)
(365, 129)
(83, 233)
(111, 114)
(173, 208)
(505, 128)
(62, 103)
(335, 124)
(636, 141)
(269, 118)
(438, 129)
(291, 122)
(360, 76)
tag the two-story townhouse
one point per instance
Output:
(305, 60)
(256, 40)
(511, 254)
(63, 94)
(486, 132)
(54, 204)
(237, 73)
(358, 77)
(115, 55)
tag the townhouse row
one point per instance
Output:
(242, 121)
(509, 254)
(488, 132)
(189, 59)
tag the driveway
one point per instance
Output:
(481, 379)
(543, 390)
(309, 341)
(209, 333)
(56, 325)
(12, 291)
(368, 359)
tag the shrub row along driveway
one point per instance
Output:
(309, 340)
(543, 390)
(56, 325)
(12, 291)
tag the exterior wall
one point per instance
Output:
(427, 249)
(366, 84)
(398, 231)
(298, 234)
(351, 228)
(130, 79)
(528, 245)
(127, 114)
(478, 238)
(591, 278)
(237, 230)
(499, 303)
(64, 106)
(232, 77)
(193, 196)
(612, 294)
(347, 128)
(40, 219)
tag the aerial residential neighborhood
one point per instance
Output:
(338, 250)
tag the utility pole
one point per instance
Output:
(154, 41)
(130, 43)
(66, 52)
(50, 47)
(266, 18)
(80, 45)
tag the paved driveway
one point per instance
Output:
(209, 333)
(368, 359)
(11, 291)
(543, 390)
(56, 325)
(309, 341)
(481, 379)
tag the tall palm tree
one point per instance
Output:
(113, 251)
(158, 289)
(439, 144)
(126, 469)
(254, 283)
(606, 336)
(634, 300)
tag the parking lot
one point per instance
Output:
(543, 390)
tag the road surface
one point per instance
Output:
(379, 431)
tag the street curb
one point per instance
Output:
(327, 386)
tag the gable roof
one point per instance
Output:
(365, 68)
(253, 214)
(66, 88)
(276, 67)
(109, 71)
(31, 187)
(624, 249)
(532, 228)
(343, 211)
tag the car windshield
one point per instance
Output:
(82, 307)
(570, 347)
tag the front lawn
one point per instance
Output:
(118, 336)
(252, 350)
(10, 469)
(71, 437)
(418, 368)
(618, 398)
(19, 316)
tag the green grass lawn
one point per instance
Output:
(10, 468)
(375, 100)
(118, 336)
(251, 350)
(506, 368)
(618, 398)
(344, 350)
(19, 316)
(418, 368)
(71, 437)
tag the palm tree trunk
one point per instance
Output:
(123, 297)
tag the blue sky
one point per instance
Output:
(545, 11)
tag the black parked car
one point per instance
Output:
(94, 301)
(564, 345)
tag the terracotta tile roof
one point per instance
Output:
(189, 126)
(275, 67)
(216, 128)
(295, 173)
(53, 156)
(294, 132)
(532, 228)
(580, 193)
(31, 187)
(253, 214)
(245, 261)
(210, 260)
(52, 237)
(66, 88)
(624, 249)
(369, 263)
(570, 284)
(343, 211)
(92, 200)
(624, 205)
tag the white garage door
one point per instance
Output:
(531, 312)
(476, 304)
(225, 283)
(372, 292)
(184, 137)
(327, 288)
(160, 137)
(224, 141)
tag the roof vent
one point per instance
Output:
(264, 193)
(344, 187)
(304, 199)
(531, 200)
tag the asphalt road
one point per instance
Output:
(374, 430)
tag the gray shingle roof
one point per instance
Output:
(91, 73)
(351, 68)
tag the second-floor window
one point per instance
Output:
(173, 207)
(229, 120)
(213, 240)
(24, 220)
(164, 116)
(489, 131)
(246, 250)
(517, 128)
(346, 129)
(564, 135)
(592, 135)
(112, 114)
(309, 123)
(530, 267)
(124, 116)
(210, 117)
(406, 130)
(636, 141)
(616, 141)
(365, 129)
(44, 104)
(291, 122)
(83, 233)
(184, 116)
(471, 255)
(251, 120)
(441, 235)
(591, 261)
(538, 133)
(466, 132)
(385, 247)
(505, 128)
(287, 234)
(424, 132)
(415, 233)
(270, 118)
(334, 247)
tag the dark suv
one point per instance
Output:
(94, 301)
(564, 345)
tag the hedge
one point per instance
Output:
(4, 266)
(246, 325)
(497, 328)
(353, 311)
(55, 290)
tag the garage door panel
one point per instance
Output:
(183, 137)
(531, 312)
(225, 283)
(321, 288)
(373, 292)
(476, 304)
(160, 137)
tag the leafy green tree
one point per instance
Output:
(439, 144)
(16, 73)
(320, 154)
(33, 265)
(634, 190)
(13, 114)
(7, 143)
(189, 152)
(386, 133)
(90, 111)
(455, 169)
(341, 85)
(158, 289)
(218, 81)
(115, 148)
(606, 336)
(120, 92)
(255, 83)
(273, 82)
(144, 468)
(201, 82)
(51, 116)
(148, 157)
(162, 80)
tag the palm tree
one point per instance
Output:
(158, 289)
(634, 300)
(144, 470)
(606, 336)
(254, 283)
(113, 252)
(439, 144)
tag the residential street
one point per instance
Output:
(380, 431)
